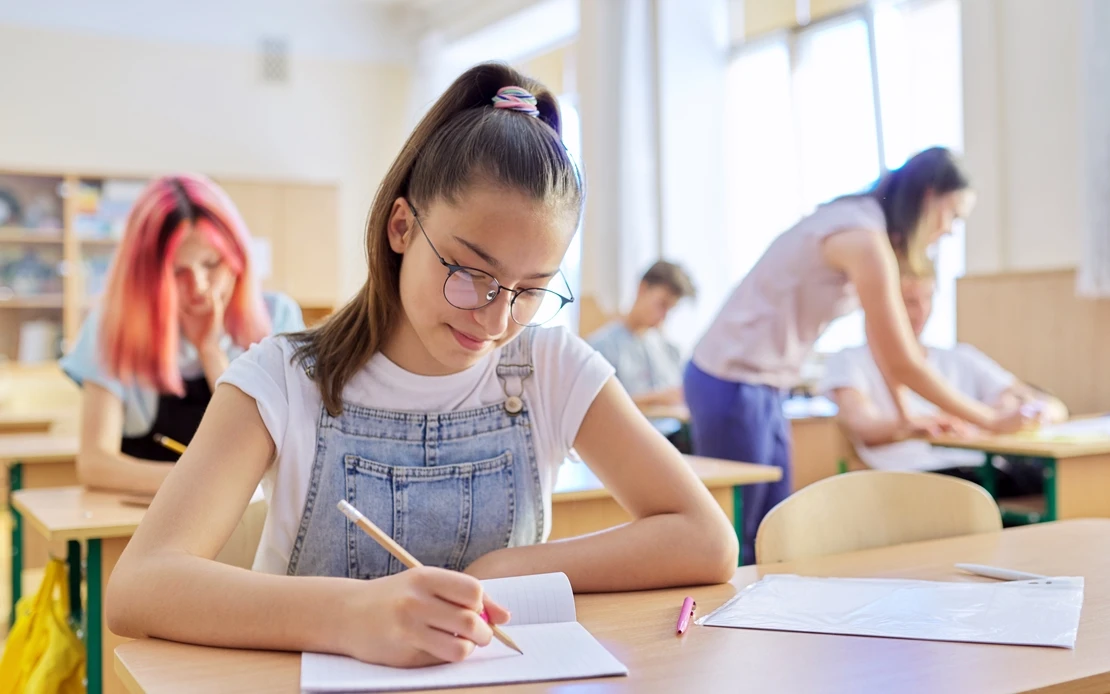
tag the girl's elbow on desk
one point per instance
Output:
(719, 548)
(123, 601)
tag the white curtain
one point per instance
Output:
(1093, 279)
(617, 102)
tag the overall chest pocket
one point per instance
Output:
(444, 515)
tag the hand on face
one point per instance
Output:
(204, 288)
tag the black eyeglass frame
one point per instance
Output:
(452, 269)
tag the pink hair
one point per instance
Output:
(139, 330)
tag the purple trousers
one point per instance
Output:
(743, 422)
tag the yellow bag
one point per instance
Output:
(43, 654)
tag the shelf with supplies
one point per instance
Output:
(32, 301)
(59, 233)
(99, 243)
(23, 235)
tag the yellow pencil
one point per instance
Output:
(169, 443)
(391, 546)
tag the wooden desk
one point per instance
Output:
(638, 628)
(817, 444)
(74, 515)
(25, 422)
(1076, 474)
(679, 412)
(581, 504)
(34, 461)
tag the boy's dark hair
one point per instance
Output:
(671, 276)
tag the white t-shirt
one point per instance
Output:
(968, 370)
(645, 363)
(568, 376)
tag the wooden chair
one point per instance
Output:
(873, 508)
(243, 544)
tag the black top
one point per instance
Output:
(177, 418)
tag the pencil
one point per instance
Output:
(169, 443)
(405, 558)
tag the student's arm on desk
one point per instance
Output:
(100, 465)
(1054, 410)
(866, 257)
(167, 585)
(866, 425)
(678, 536)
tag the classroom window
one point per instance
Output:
(822, 111)
(572, 261)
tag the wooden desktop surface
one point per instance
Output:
(25, 422)
(638, 628)
(576, 482)
(1026, 445)
(30, 448)
(75, 513)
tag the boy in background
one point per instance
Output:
(649, 367)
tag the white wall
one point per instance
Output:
(1022, 65)
(73, 99)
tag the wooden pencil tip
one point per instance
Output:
(505, 639)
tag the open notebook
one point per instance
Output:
(555, 645)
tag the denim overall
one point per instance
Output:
(448, 487)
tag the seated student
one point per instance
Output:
(649, 367)
(867, 412)
(181, 302)
(432, 404)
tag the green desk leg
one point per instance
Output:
(986, 476)
(1049, 489)
(738, 518)
(94, 620)
(15, 483)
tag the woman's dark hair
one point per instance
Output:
(462, 141)
(901, 193)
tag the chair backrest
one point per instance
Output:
(240, 548)
(873, 508)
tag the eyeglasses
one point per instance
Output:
(469, 289)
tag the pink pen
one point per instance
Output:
(685, 615)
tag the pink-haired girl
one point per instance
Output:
(181, 302)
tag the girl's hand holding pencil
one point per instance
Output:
(421, 616)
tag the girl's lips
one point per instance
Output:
(468, 341)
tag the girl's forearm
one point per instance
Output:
(185, 598)
(653, 552)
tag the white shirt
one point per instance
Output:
(568, 376)
(645, 363)
(968, 370)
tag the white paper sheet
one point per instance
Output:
(1077, 429)
(1044, 612)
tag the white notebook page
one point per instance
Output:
(563, 651)
(540, 599)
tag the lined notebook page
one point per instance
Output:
(563, 651)
(541, 599)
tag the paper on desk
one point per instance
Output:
(1043, 612)
(1079, 430)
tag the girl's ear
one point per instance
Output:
(400, 225)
